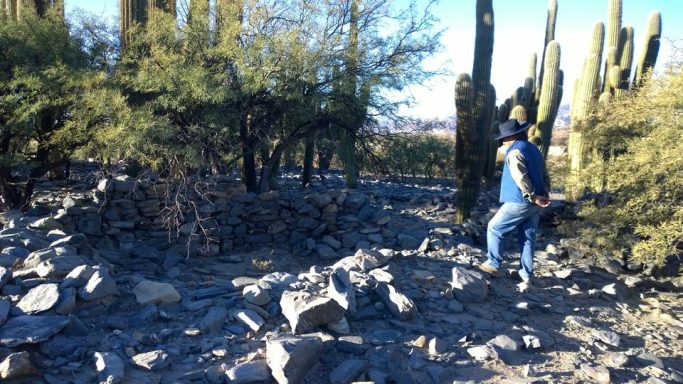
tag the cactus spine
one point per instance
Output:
(474, 114)
(648, 57)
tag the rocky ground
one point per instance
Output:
(413, 309)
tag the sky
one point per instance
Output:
(519, 32)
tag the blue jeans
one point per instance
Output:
(523, 217)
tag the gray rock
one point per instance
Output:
(5, 306)
(252, 372)
(367, 259)
(350, 239)
(319, 200)
(332, 242)
(46, 224)
(37, 257)
(504, 342)
(341, 327)
(563, 273)
(67, 302)
(399, 304)
(341, 290)
(482, 352)
(351, 344)
(61, 346)
(326, 252)
(407, 241)
(455, 306)
(424, 246)
(250, 318)
(60, 266)
(76, 240)
(110, 367)
(17, 365)
(98, 286)
(381, 275)
(595, 373)
(469, 286)
(256, 295)
(278, 280)
(437, 346)
(305, 311)
(214, 319)
(31, 329)
(77, 277)
(290, 358)
(616, 359)
(39, 299)
(153, 360)
(354, 201)
(90, 225)
(531, 342)
(607, 337)
(147, 292)
(348, 371)
(5, 276)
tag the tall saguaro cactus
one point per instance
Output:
(473, 115)
(14, 9)
(551, 94)
(549, 36)
(140, 11)
(648, 57)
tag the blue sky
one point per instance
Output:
(519, 32)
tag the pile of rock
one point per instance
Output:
(217, 216)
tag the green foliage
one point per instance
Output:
(423, 154)
(51, 102)
(642, 134)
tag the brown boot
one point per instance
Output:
(489, 269)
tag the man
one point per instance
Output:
(523, 191)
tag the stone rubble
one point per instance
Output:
(317, 286)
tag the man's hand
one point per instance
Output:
(542, 201)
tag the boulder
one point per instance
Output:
(147, 292)
(305, 311)
(290, 358)
(399, 304)
(39, 299)
(98, 286)
(469, 286)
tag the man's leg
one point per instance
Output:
(509, 216)
(527, 241)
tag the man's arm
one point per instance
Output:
(519, 172)
(520, 175)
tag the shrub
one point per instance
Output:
(639, 139)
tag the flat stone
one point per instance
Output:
(595, 373)
(351, 344)
(407, 241)
(214, 319)
(46, 224)
(482, 352)
(563, 273)
(278, 281)
(305, 311)
(39, 299)
(110, 367)
(504, 342)
(251, 372)
(250, 318)
(438, 346)
(5, 276)
(616, 359)
(17, 365)
(348, 371)
(67, 302)
(77, 277)
(27, 329)
(98, 286)
(399, 304)
(153, 360)
(59, 266)
(367, 259)
(468, 286)
(381, 275)
(326, 252)
(607, 337)
(531, 342)
(256, 295)
(291, 358)
(147, 292)
(5, 306)
(341, 290)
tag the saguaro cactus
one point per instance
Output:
(613, 34)
(473, 114)
(549, 36)
(648, 57)
(550, 95)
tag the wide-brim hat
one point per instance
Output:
(511, 127)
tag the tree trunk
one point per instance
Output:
(309, 151)
(248, 148)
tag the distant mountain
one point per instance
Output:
(562, 120)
